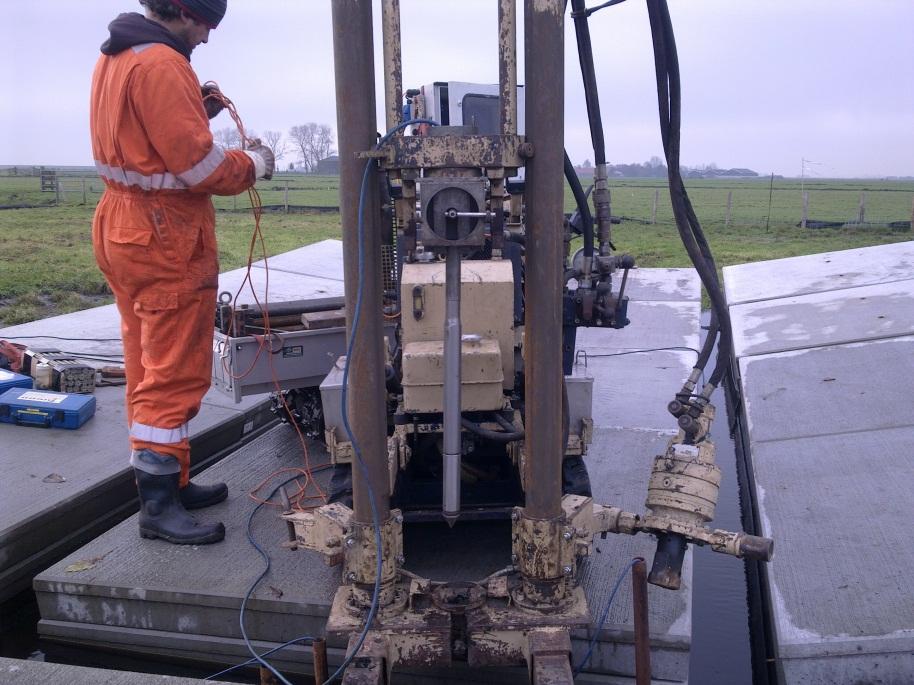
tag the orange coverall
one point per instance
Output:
(154, 233)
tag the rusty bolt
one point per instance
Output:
(567, 570)
(567, 535)
(350, 542)
(514, 516)
(401, 560)
(398, 518)
(350, 577)
(526, 150)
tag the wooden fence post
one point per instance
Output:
(805, 209)
(85, 197)
(912, 214)
(861, 210)
(654, 210)
(234, 202)
(729, 209)
(286, 196)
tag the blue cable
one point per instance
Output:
(251, 661)
(344, 401)
(603, 616)
(266, 557)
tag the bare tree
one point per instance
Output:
(313, 142)
(228, 137)
(324, 144)
(274, 141)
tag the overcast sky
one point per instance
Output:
(766, 83)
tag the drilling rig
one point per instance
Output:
(462, 303)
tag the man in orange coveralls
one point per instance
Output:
(154, 239)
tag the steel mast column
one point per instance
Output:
(537, 541)
(543, 38)
(353, 58)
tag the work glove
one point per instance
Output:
(262, 156)
(212, 105)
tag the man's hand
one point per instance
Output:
(264, 160)
(211, 102)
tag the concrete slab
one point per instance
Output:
(829, 390)
(829, 432)
(779, 278)
(665, 285)
(634, 388)
(858, 604)
(283, 286)
(654, 324)
(21, 672)
(318, 260)
(838, 316)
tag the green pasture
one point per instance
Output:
(47, 266)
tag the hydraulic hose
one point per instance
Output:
(580, 198)
(601, 198)
(588, 75)
(666, 64)
(495, 436)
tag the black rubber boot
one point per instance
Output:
(575, 480)
(341, 485)
(161, 513)
(195, 496)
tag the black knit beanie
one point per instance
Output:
(209, 12)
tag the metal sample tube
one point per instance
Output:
(452, 381)
(353, 59)
(507, 65)
(393, 62)
(545, 78)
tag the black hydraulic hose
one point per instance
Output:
(585, 56)
(715, 292)
(669, 102)
(495, 436)
(580, 197)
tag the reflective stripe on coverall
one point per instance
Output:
(154, 233)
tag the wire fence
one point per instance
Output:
(723, 203)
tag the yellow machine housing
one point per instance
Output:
(487, 349)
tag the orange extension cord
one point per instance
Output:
(300, 500)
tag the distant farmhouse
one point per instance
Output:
(329, 166)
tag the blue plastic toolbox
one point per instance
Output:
(45, 409)
(8, 380)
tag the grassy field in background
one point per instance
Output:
(47, 267)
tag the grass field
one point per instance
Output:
(47, 267)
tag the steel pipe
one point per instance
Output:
(393, 62)
(353, 58)
(319, 651)
(642, 624)
(545, 78)
(452, 382)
